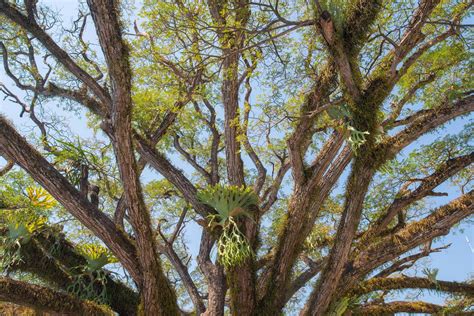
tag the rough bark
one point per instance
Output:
(47, 300)
(397, 307)
(54, 268)
(404, 282)
(16, 148)
(157, 294)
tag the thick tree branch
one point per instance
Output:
(46, 299)
(348, 71)
(444, 172)
(428, 121)
(304, 207)
(158, 296)
(4, 170)
(214, 274)
(437, 224)
(16, 148)
(324, 290)
(37, 258)
(397, 307)
(174, 175)
(413, 34)
(300, 139)
(387, 284)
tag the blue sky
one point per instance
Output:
(455, 263)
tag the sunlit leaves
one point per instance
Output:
(39, 197)
(97, 256)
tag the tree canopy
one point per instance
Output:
(234, 157)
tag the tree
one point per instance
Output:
(297, 138)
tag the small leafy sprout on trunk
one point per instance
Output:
(342, 115)
(356, 138)
(230, 202)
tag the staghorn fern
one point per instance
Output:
(356, 138)
(232, 247)
(230, 202)
(343, 114)
(19, 233)
(90, 282)
(97, 256)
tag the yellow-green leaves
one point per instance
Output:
(39, 197)
(97, 256)
(232, 247)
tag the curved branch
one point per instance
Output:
(437, 224)
(191, 160)
(428, 121)
(183, 272)
(172, 174)
(407, 262)
(397, 307)
(387, 284)
(444, 172)
(10, 164)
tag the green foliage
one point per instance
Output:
(341, 307)
(90, 286)
(338, 10)
(89, 281)
(97, 256)
(233, 248)
(40, 198)
(230, 202)
(176, 55)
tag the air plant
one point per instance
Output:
(230, 202)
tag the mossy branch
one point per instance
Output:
(396, 283)
(47, 300)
